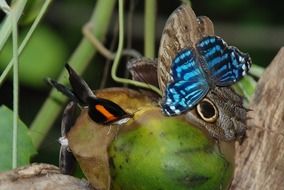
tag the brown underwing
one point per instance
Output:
(144, 70)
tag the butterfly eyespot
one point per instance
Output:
(207, 110)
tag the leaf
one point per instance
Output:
(24, 143)
(256, 70)
(246, 87)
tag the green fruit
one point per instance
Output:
(44, 56)
(150, 151)
(167, 153)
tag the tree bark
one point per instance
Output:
(39, 177)
(260, 159)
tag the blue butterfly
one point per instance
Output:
(195, 71)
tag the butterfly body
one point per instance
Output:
(194, 71)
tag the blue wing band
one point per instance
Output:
(226, 64)
(183, 95)
(194, 72)
(189, 85)
(185, 66)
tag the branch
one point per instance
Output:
(260, 159)
(40, 176)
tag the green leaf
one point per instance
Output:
(47, 64)
(246, 87)
(256, 70)
(25, 146)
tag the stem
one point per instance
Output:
(6, 26)
(79, 61)
(149, 29)
(256, 70)
(15, 89)
(102, 49)
(4, 6)
(26, 39)
(118, 55)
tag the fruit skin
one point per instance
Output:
(167, 153)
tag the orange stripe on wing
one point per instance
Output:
(109, 116)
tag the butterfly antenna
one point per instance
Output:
(79, 86)
(63, 89)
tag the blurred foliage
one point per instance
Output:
(31, 11)
(25, 146)
(44, 55)
(246, 87)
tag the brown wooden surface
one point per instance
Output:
(39, 177)
(260, 159)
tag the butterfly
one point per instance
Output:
(100, 110)
(196, 70)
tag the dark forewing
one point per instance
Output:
(79, 86)
(225, 64)
(63, 89)
(104, 111)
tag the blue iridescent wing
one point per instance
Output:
(185, 66)
(189, 85)
(226, 64)
(183, 95)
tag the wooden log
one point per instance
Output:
(39, 177)
(260, 159)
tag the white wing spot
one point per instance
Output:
(172, 107)
(63, 141)
(177, 111)
(121, 121)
